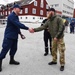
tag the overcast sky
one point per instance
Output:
(9, 1)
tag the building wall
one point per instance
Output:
(38, 8)
(30, 16)
(74, 14)
(68, 8)
(64, 6)
(36, 17)
(57, 4)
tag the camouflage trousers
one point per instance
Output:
(58, 45)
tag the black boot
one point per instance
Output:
(62, 68)
(52, 63)
(13, 62)
(0, 65)
(46, 52)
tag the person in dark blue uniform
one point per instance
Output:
(72, 25)
(47, 37)
(11, 36)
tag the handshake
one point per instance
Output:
(31, 30)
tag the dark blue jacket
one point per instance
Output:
(72, 24)
(13, 27)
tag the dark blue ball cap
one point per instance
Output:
(17, 6)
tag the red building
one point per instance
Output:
(33, 10)
(74, 14)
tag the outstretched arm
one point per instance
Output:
(32, 30)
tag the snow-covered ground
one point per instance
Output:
(30, 54)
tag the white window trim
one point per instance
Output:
(21, 11)
(26, 10)
(41, 12)
(47, 7)
(5, 12)
(42, 4)
(33, 11)
(35, 3)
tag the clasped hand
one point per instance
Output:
(31, 30)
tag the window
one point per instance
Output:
(21, 12)
(1, 13)
(34, 11)
(56, 5)
(26, 10)
(51, 6)
(47, 7)
(6, 12)
(68, 7)
(21, 17)
(64, 11)
(71, 1)
(67, 12)
(46, 13)
(35, 3)
(41, 12)
(41, 18)
(26, 17)
(42, 4)
(33, 17)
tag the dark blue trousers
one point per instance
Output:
(72, 29)
(8, 44)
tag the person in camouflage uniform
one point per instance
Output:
(56, 29)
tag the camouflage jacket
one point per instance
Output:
(55, 25)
